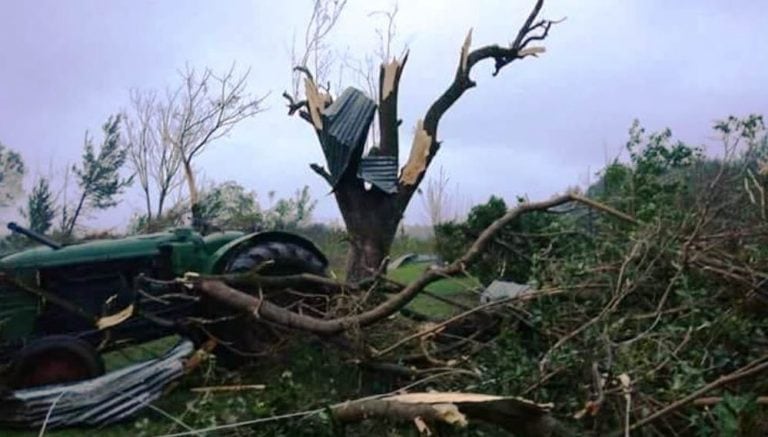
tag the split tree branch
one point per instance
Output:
(462, 82)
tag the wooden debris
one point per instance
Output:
(524, 417)
(115, 319)
(200, 354)
(422, 426)
(228, 388)
(315, 103)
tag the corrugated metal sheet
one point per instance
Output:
(346, 122)
(99, 401)
(381, 171)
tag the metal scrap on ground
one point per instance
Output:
(107, 399)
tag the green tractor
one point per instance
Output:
(62, 306)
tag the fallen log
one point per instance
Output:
(519, 416)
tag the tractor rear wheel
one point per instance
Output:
(242, 338)
(54, 359)
(276, 258)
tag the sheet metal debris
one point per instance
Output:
(345, 127)
(498, 290)
(100, 401)
(381, 171)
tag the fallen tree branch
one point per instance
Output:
(523, 417)
(260, 308)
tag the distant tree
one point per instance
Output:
(204, 108)
(291, 213)
(154, 160)
(11, 175)
(40, 209)
(229, 206)
(436, 199)
(98, 176)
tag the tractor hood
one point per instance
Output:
(99, 250)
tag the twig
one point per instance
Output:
(50, 411)
(228, 388)
(714, 400)
(526, 296)
(751, 369)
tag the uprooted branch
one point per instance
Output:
(261, 308)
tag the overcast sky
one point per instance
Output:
(540, 126)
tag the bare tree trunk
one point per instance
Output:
(371, 218)
(369, 245)
(148, 204)
(73, 220)
(189, 175)
(161, 202)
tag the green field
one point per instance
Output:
(456, 289)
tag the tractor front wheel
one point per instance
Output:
(54, 359)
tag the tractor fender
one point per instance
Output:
(218, 260)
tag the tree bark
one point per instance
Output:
(371, 217)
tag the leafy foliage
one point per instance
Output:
(98, 175)
(11, 175)
(509, 256)
(291, 213)
(672, 303)
(40, 210)
(229, 206)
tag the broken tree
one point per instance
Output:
(371, 195)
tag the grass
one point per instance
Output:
(456, 289)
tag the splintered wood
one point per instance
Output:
(115, 319)
(388, 82)
(417, 161)
(315, 102)
(456, 409)
(531, 51)
(465, 51)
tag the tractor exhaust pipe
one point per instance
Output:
(42, 239)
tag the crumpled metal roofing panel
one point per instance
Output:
(381, 171)
(345, 127)
(95, 402)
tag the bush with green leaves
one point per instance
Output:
(670, 304)
(511, 255)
